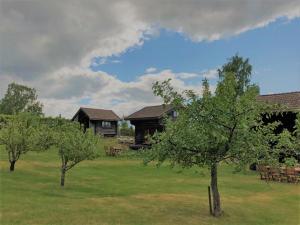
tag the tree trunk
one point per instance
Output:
(12, 166)
(214, 188)
(62, 178)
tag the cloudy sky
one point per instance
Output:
(107, 53)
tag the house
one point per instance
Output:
(148, 120)
(290, 103)
(102, 121)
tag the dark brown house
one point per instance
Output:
(290, 103)
(148, 120)
(102, 121)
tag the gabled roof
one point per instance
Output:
(291, 100)
(150, 112)
(98, 114)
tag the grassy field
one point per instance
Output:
(123, 191)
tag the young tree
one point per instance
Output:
(23, 133)
(20, 98)
(211, 129)
(74, 145)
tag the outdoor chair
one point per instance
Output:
(113, 151)
(275, 174)
(264, 172)
(290, 175)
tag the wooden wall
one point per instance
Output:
(144, 128)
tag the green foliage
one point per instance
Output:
(288, 144)
(290, 162)
(214, 128)
(4, 120)
(241, 69)
(74, 145)
(125, 130)
(23, 133)
(20, 98)
(297, 134)
(211, 129)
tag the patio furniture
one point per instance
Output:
(264, 172)
(112, 151)
(275, 174)
(291, 175)
(297, 170)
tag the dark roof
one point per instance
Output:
(99, 114)
(150, 112)
(291, 99)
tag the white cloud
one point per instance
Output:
(187, 75)
(210, 74)
(69, 86)
(50, 44)
(38, 37)
(151, 70)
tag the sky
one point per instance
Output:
(107, 53)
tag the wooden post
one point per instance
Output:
(209, 200)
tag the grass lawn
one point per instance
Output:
(123, 191)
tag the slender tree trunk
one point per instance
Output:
(215, 193)
(62, 178)
(12, 166)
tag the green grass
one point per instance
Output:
(123, 191)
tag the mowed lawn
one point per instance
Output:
(123, 191)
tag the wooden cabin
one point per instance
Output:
(102, 121)
(148, 120)
(290, 103)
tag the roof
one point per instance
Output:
(99, 114)
(291, 99)
(150, 112)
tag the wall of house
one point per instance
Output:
(83, 119)
(143, 128)
(112, 131)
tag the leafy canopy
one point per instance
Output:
(241, 68)
(23, 133)
(289, 144)
(74, 145)
(20, 98)
(212, 128)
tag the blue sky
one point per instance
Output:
(273, 50)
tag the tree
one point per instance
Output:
(241, 69)
(74, 145)
(20, 98)
(211, 129)
(23, 133)
(125, 130)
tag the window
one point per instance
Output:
(175, 114)
(106, 124)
